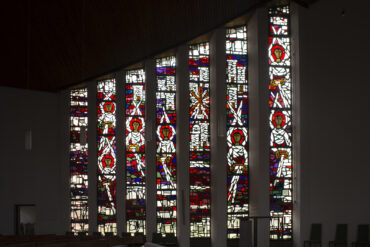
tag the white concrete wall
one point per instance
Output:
(334, 61)
(29, 177)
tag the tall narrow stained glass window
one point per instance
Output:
(106, 148)
(135, 151)
(78, 161)
(280, 101)
(166, 145)
(237, 128)
(199, 117)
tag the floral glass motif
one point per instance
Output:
(78, 161)
(166, 145)
(280, 102)
(106, 148)
(135, 151)
(199, 114)
(237, 128)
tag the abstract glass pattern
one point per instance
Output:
(237, 128)
(135, 151)
(166, 145)
(78, 161)
(106, 148)
(280, 102)
(199, 114)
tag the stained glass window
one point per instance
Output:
(106, 148)
(166, 145)
(78, 161)
(280, 101)
(199, 117)
(237, 128)
(135, 151)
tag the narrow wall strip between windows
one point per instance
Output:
(78, 161)
(166, 145)
(199, 117)
(280, 102)
(237, 128)
(106, 148)
(135, 151)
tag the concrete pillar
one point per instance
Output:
(120, 153)
(182, 145)
(64, 199)
(300, 225)
(257, 30)
(150, 146)
(218, 138)
(92, 157)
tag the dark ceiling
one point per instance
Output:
(51, 45)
